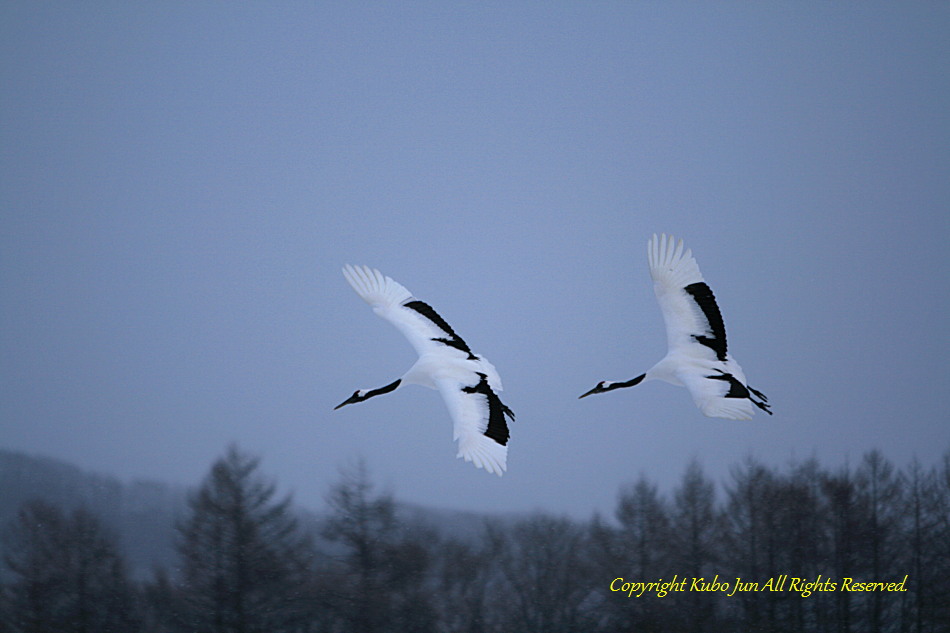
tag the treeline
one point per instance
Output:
(246, 564)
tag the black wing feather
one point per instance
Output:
(454, 340)
(497, 426)
(703, 296)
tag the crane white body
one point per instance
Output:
(467, 381)
(696, 356)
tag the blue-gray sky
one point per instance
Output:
(180, 184)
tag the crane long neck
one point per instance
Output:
(630, 383)
(378, 392)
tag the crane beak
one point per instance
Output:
(594, 390)
(354, 398)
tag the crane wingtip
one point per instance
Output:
(374, 287)
(485, 453)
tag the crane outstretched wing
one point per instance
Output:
(421, 324)
(693, 321)
(479, 422)
(718, 394)
(427, 332)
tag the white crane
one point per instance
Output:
(468, 382)
(697, 358)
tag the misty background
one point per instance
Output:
(181, 184)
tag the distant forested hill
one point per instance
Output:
(141, 513)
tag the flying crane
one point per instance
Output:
(469, 384)
(697, 357)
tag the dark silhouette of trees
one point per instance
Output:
(845, 519)
(801, 543)
(246, 565)
(880, 492)
(872, 523)
(927, 546)
(638, 549)
(379, 577)
(749, 539)
(68, 575)
(464, 575)
(543, 575)
(644, 520)
(694, 529)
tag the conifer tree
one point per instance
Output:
(246, 564)
(379, 580)
(68, 574)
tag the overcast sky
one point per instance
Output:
(180, 184)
